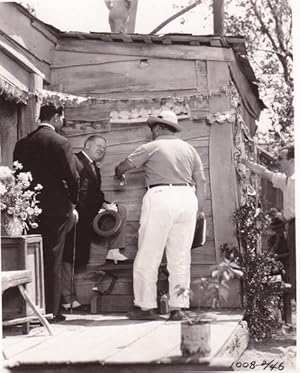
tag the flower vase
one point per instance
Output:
(11, 225)
(195, 338)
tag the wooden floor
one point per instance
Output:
(112, 343)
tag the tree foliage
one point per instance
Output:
(267, 28)
(261, 293)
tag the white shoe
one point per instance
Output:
(116, 256)
(75, 304)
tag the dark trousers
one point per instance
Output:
(85, 235)
(53, 230)
(291, 237)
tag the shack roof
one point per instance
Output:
(236, 43)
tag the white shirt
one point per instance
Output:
(88, 157)
(43, 124)
(287, 185)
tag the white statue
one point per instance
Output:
(118, 14)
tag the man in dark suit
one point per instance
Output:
(91, 200)
(49, 157)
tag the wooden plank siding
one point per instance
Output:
(122, 74)
(119, 77)
(8, 131)
(121, 143)
(142, 50)
(17, 25)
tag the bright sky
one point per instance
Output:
(92, 15)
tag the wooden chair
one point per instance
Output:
(19, 279)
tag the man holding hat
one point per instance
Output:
(174, 198)
(91, 200)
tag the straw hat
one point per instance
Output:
(167, 117)
(107, 223)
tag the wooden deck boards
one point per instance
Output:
(113, 340)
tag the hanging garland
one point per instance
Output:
(11, 93)
(74, 100)
(221, 118)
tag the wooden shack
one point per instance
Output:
(110, 83)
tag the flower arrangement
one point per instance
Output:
(18, 203)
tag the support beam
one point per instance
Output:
(132, 16)
(218, 12)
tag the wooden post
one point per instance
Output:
(132, 16)
(29, 116)
(218, 11)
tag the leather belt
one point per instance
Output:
(175, 184)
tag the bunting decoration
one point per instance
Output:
(221, 118)
(74, 100)
(10, 92)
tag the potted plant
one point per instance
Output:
(195, 331)
(18, 203)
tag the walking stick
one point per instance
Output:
(73, 266)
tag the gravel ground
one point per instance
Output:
(281, 350)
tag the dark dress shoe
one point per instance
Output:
(57, 318)
(81, 308)
(123, 262)
(177, 315)
(139, 314)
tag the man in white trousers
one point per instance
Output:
(175, 197)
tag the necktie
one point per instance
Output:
(96, 170)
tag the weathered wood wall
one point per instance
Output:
(27, 36)
(123, 139)
(8, 131)
(26, 51)
(122, 75)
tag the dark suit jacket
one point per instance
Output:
(89, 203)
(50, 159)
(90, 195)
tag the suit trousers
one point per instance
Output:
(116, 242)
(54, 231)
(168, 220)
(68, 294)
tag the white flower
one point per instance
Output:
(38, 187)
(3, 189)
(17, 165)
(34, 225)
(23, 215)
(10, 210)
(22, 176)
(30, 211)
(28, 194)
(6, 175)
(37, 210)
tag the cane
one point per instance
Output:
(73, 266)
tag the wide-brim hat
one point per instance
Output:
(167, 117)
(107, 223)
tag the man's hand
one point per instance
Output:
(75, 215)
(110, 206)
(200, 214)
(120, 180)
